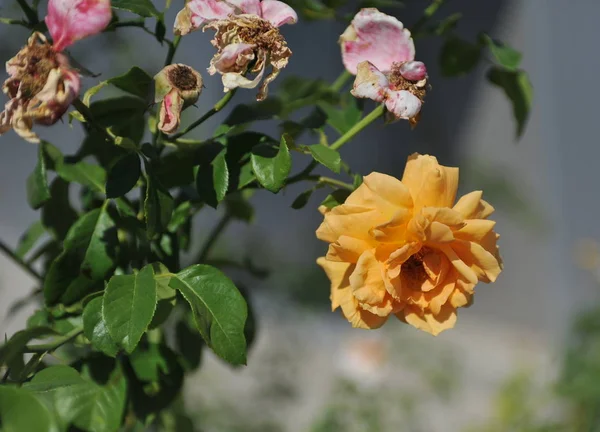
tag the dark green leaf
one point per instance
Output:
(15, 345)
(336, 198)
(518, 89)
(448, 24)
(135, 81)
(94, 328)
(506, 56)
(57, 214)
(21, 411)
(189, 345)
(83, 403)
(297, 92)
(246, 113)
(38, 191)
(302, 199)
(239, 207)
(143, 8)
(160, 30)
(158, 207)
(326, 156)
(128, 306)
(218, 308)
(175, 169)
(458, 57)
(29, 238)
(123, 175)
(272, 168)
(220, 176)
(124, 115)
(344, 118)
(92, 176)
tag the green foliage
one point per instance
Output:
(271, 167)
(143, 8)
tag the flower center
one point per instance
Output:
(398, 82)
(183, 78)
(413, 269)
(39, 60)
(259, 32)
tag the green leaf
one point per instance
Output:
(220, 175)
(158, 206)
(218, 308)
(123, 115)
(518, 89)
(239, 206)
(94, 328)
(302, 199)
(128, 306)
(271, 169)
(343, 119)
(12, 349)
(21, 411)
(189, 345)
(143, 8)
(85, 404)
(458, 57)
(297, 92)
(29, 238)
(506, 56)
(92, 176)
(246, 113)
(326, 156)
(123, 175)
(38, 191)
(336, 198)
(148, 363)
(57, 214)
(448, 24)
(135, 81)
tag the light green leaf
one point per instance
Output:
(123, 175)
(271, 169)
(29, 238)
(92, 176)
(143, 8)
(135, 81)
(344, 118)
(94, 328)
(38, 191)
(21, 411)
(97, 260)
(220, 175)
(128, 306)
(158, 206)
(518, 89)
(218, 308)
(506, 56)
(326, 156)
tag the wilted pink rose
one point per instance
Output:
(247, 38)
(380, 52)
(177, 87)
(41, 86)
(71, 20)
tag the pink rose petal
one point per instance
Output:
(203, 11)
(403, 104)
(278, 13)
(233, 58)
(378, 38)
(251, 7)
(370, 83)
(170, 112)
(71, 20)
(413, 70)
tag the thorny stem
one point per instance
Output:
(339, 83)
(427, 14)
(31, 15)
(172, 50)
(20, 262)
(366, 121)
(56, 343)
(212, 238)
(215, 109)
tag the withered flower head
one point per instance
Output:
(247, 38)
(177, 87)
(41, 86)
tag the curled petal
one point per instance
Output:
(367, 280)
(278, 13)
(233, 80)
(71, 20)
(382, 192)
(403, 104)
(378, 38)
(233, 58)
(251, 7)
(347, 249)
(413, 70)
(196, 13)
(170, 112)
(431, 184)
(370, 83)
(471, 206)
(427, 321)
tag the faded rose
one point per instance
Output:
(247, 38)
(380, 52)
(177, 87)
(406, 248)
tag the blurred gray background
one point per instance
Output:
(544, 187)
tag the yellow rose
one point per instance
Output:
(406, 248)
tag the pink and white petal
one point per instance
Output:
(71, 20)
(378, 38)
(233, 80)
(370, 83)
(233, 58)
(170, 112)
(199, 12)
(413, 70)
(403, 104)
(251, 7)
(278, 13)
